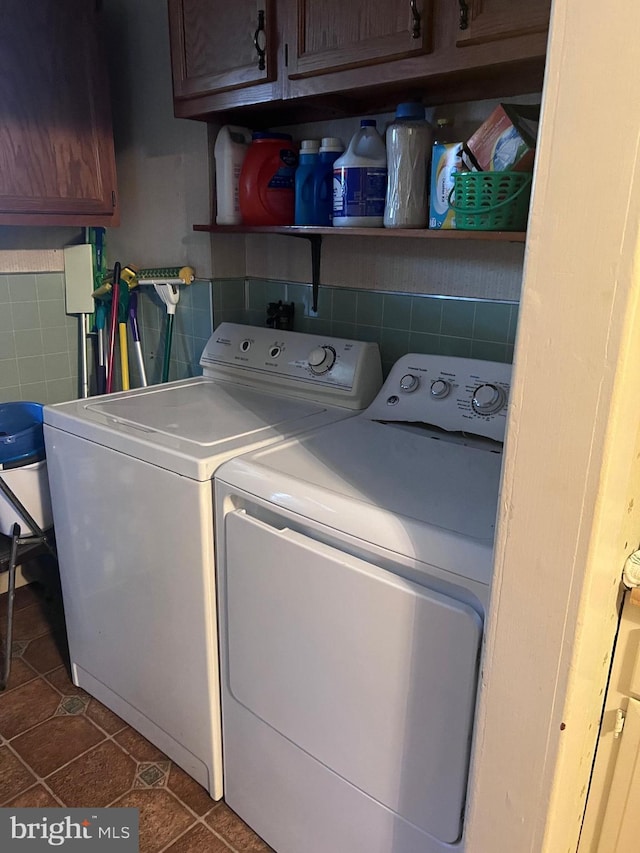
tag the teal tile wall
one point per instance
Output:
(38, 341)
(230, 302)
(398, 322)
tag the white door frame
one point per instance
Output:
(570, 504)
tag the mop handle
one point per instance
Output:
(101, 377)
(124, 357)
(167, 347)
(84, 367)
(137, 345)
(115, 292)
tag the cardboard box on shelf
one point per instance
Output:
(506, 141)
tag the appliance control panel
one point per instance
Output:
(321, 364)
(455, 394)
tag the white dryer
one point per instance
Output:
(353, 571)
(132, 494)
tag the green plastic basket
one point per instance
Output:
(491, 201)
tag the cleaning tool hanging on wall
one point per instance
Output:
(113, 322)
(135, 331)
(123, 312)
(101, 319)
(102, 296)
(166, 275)
(128, 280)
(166, 282)
(170, 295)
(96, 239)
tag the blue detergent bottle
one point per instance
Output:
(330, 149)
(307, 163)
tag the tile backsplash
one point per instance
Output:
(38, 341)
(398, 322)
(39, 358)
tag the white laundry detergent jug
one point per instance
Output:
(360, 180)
(229, 151)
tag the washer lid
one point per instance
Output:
(188, 426)
(207, 413)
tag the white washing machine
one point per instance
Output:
(132, 493)
(353, 571)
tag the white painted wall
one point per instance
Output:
(569, 505)
(163, 162)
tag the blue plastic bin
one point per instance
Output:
(21, 436)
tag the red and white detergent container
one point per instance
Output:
(267, 180)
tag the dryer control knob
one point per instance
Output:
(440, 389)
(409, 383)
(321, 359)
(488, 399)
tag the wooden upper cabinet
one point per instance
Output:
(333, 34)
(57, 163)
(217, 46)
(326, 58)
(483, 21)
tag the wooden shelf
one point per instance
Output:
(413, 233)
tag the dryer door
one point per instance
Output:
(370, 674)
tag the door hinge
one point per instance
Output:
(286, 55)
(113, 198)
(619, 723)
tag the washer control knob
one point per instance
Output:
(245, 345)
(440, 389)
(274, 351)
(321, 359)
(409, 383)
(488, 399)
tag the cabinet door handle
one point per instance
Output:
(415, 26)
(260, 43)
(464, 14)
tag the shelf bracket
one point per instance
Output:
(316, 253)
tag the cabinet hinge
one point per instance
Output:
(113, 198)
(286, 56)
(619, 723)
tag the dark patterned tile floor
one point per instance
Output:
(61, 747)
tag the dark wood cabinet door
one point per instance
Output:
(333, 34)
(483, 21)
(213, 45)
(57, 162)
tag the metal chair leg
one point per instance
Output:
(11, 594)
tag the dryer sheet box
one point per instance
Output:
(506, 141)
(445, 162)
